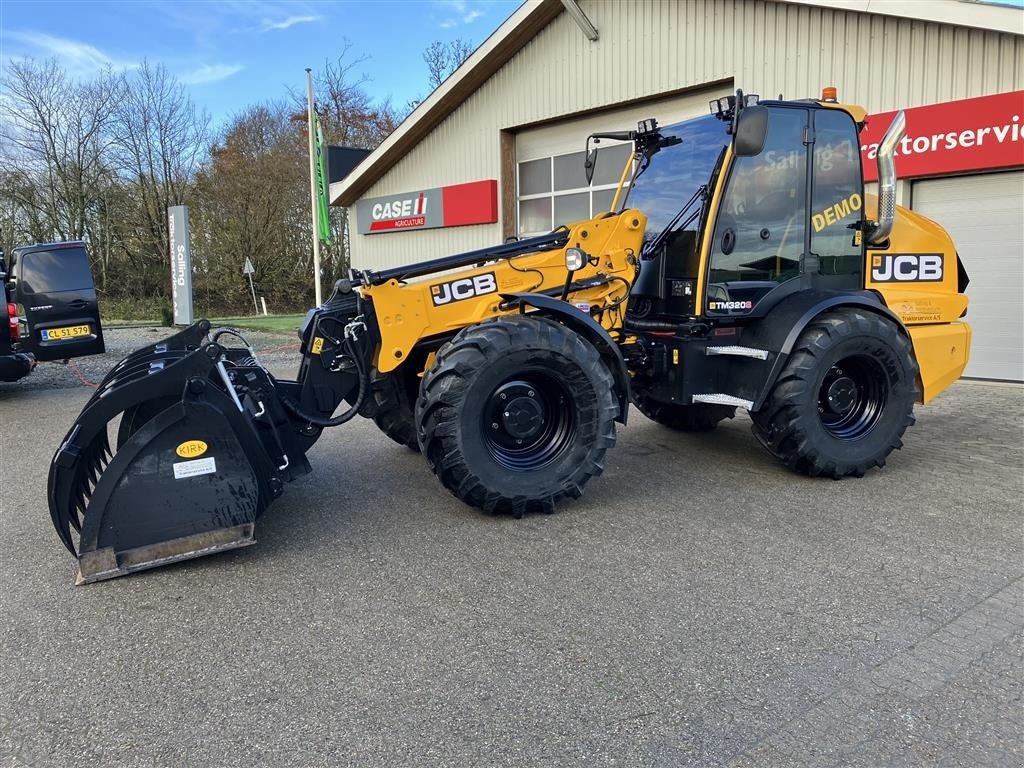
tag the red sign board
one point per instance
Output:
(458, 205)
(968, 135)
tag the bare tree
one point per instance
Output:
(55, 139)
(443, 58)
(159, 140)
(102, 159)
(349, 116)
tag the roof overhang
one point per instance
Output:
(961, 13)
(533, 15)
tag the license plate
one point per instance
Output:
(69, 332)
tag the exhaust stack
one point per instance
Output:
(887, 180)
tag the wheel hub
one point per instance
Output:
(523, 417)
(852, 397)
(841, 395)
(526, 422)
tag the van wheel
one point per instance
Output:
(700, 417)
(516, 415)
(845, 397)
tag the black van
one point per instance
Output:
(53, 286)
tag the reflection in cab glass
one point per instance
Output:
(759, 232)
(673, 193)
(836, 204)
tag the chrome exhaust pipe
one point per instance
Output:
(881, 229)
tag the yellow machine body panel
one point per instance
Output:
(408, 313)
(917, 276)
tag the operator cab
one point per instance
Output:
(783, 210)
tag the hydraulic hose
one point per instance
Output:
(637, 324)
(341, 418)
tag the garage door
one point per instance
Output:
(985, 216)
(551, 186)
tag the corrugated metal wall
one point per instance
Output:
(649, 47)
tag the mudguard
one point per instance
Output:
(780, 328)
(590, 329)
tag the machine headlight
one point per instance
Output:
(575, 258)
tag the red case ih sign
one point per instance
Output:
(967, 135)
(454, 206)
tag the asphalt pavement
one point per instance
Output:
(700, 605)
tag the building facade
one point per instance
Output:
(497, 150)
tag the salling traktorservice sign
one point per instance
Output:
(454, 206)
(979, 134)
(181, 264)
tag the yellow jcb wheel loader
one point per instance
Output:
(741, 265)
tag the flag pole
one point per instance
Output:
(312, 186)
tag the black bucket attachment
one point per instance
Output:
(196, 458)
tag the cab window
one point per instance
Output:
(762, 218)
(836, 200)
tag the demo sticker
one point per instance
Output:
(190, 449)
(195, 468)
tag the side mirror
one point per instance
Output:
(751, 130)
(590, 163)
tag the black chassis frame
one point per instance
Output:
(673, 366)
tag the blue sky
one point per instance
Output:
(232, 53)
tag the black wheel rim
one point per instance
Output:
(528, 421)
(852, 396)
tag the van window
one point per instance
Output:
(62, 269)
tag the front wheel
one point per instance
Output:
(845, 397)
(393, 401)
(516, 415)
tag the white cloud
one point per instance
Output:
(458, 12)
(291, 21)
(77, 57)
(209, 73)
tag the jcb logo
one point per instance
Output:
(464, 288)
(906, 268)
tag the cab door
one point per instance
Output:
(760, 236)
(54, 285)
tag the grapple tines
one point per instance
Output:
(188, 473)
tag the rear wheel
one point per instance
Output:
(700, 417)
(845, 397)
(516, 414)
(394, 402)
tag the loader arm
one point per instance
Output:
(439, 306)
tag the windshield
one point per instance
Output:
(678, 172)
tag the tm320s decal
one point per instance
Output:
(907, 268)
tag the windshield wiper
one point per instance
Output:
(702, 195)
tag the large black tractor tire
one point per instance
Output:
(393, 405)
(845, 397)
(700, 417)
(516, 414)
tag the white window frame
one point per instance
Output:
(552, 194)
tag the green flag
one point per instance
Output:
(322, 209)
